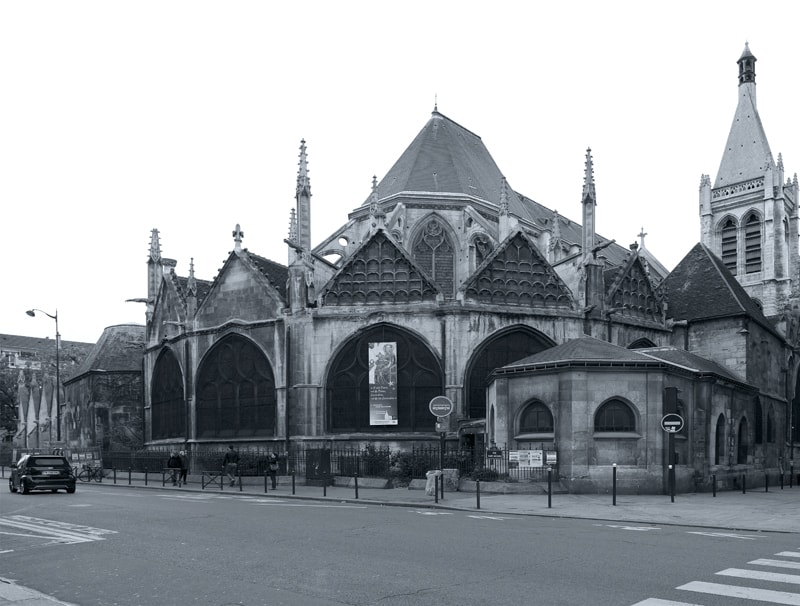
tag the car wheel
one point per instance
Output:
(25, 488)
(11, 486)
(71, 489)
(54, 490)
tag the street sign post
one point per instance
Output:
(440, 407)
(672, 423)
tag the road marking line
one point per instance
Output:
(725, 535)
(778, 577)
(432, 513)
(638, 528)
(317, 505)
(789, 554)
(658, 602)
(488, 518)
(775, 563)
(746, 593)
(60, 531)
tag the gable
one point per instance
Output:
(240, 291)
(632, 293)
(517, 274)
(379, 272)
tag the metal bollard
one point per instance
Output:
(744, 483)
(614, 485)
(671, 484)
(130, 473)
(714, 484)
(549, 487)
(355, 483)
(441, 484)
(435, 489)
(292, 482)
(145, 475)
(324, 486)
(477, 494)
(266, 475)
(114, 471)
(766, 482)
(239, 477)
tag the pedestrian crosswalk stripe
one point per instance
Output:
(777, 577)
(746, 593)
(775, 563)
(789, 554)
(657, 602)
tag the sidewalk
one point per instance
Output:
(776, 510)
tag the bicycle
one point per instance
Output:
(89, 473)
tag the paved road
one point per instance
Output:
(112, 545)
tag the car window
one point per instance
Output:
(48, 461)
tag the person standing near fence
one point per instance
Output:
(272, 469)
(230, 464)
(184, 465)
(174, 466)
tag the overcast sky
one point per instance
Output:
(120, 117)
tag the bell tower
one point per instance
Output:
(749, 216)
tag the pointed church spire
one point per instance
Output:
(588, 178)
(377, 216)
(504, 197)
(191, 283)
(155, 246)
(589, 202)
(303, 198)
(237, 234)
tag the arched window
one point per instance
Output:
(752, 244)
(536, 418)
(729, 245)
(642, 343)
(742, 443)
(418, 374)
(235, 391)
(719, 441)
(500, 350)
(434, 253)
(168, 408)
(615, 415)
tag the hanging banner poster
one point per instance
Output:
(383, 383)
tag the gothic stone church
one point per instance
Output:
(447, 281)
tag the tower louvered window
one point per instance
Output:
(729, 245)
(752, 242)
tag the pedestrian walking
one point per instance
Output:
(272, 469)
(174, 467)
(230, 463)
(184, 465)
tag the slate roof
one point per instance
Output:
(276, 273)
(693, 362)
(583, 349)
(446, 157)
(20, 343)
(702, 288)
(747, 151)
(119, 349)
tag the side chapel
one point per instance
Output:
(447, 281)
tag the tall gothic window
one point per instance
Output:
(503, 349)
(434, 253)
(752, 244)
(729, 245)
(167, 409)
(419, 380)
(235, 391)
(742, 443)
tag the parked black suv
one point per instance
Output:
(41, 472)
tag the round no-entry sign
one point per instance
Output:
(441, 406)
(672, 423)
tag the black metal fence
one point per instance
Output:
(316, 463)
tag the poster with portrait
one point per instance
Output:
(383, 383)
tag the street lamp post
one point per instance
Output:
(32, 313)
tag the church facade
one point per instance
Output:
(445, 281)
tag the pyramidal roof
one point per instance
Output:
(747, 151)
(447, 158)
